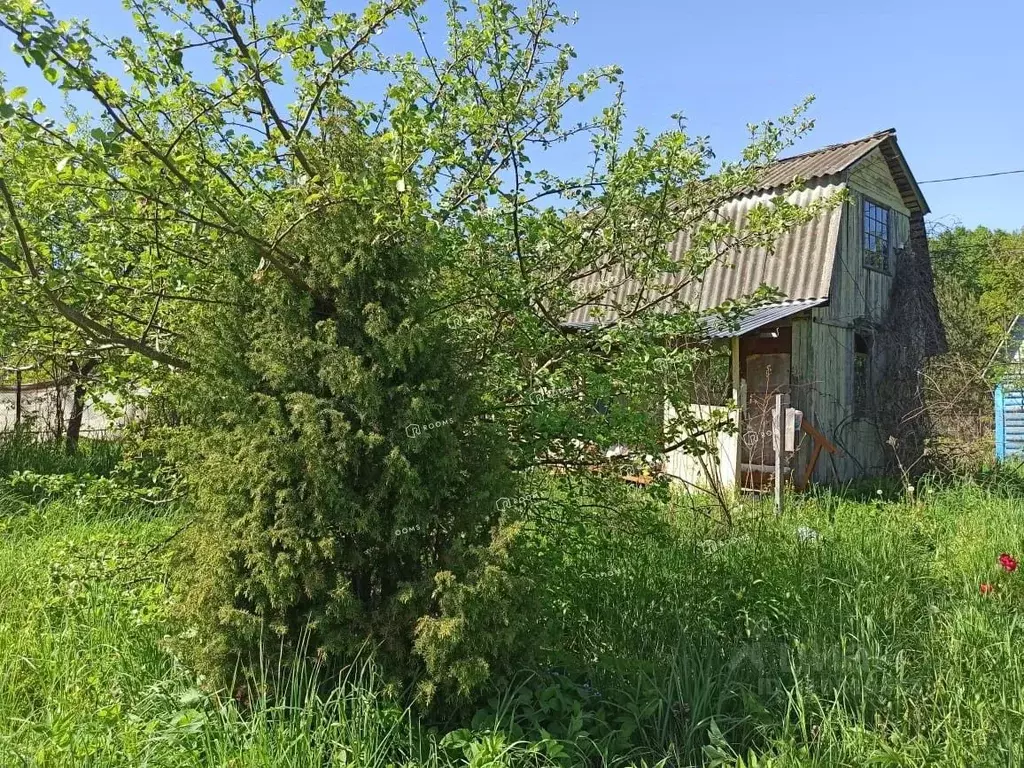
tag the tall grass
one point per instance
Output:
(88, 677)
(851, 632)
(20, 451)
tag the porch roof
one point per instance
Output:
(766, 315)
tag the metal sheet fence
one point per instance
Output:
(1009, 407)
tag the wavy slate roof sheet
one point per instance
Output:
(799, 265)
(837, 158)
(827, 161)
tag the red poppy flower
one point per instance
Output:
(1008, 562)
(987, 589)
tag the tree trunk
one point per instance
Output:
(79, 374)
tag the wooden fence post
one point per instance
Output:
(779, 438)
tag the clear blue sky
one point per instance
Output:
(948, 75)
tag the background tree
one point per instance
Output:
(39, 336)
(979, 283)
(359, 304)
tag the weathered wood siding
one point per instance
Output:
(802, 381)
(858, 292)
(859, 295)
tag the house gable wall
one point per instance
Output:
(859, 292)
(859, 296)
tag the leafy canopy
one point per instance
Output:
(316, 276)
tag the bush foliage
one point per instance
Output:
(334, 446)
(979, 289)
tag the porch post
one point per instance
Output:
(779, 439)
(736, 394)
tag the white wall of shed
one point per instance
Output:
(721, 467)
(718, 469)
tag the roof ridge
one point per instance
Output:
(819, 163)
(830, 147)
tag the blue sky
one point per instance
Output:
(948, 76)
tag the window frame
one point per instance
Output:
(860, 401)
(886, 258)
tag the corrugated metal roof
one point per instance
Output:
(758, 318)
(799, 266)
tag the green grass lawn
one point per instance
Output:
(866, 642)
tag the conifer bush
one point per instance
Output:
(338, 452)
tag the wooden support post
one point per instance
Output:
(821, 443)
(779, 438)
(737, 396)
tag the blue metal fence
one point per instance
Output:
(1009, 401)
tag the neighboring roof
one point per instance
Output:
(838, 158)
(766, 315)
(801, 262)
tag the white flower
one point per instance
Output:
(807, 534)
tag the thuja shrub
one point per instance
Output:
(344, 474)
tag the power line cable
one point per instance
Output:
(975, 176)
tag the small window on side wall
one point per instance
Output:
(861, 374)
(877, 235)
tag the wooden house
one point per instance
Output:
(848, 342)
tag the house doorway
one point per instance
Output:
(766, 376)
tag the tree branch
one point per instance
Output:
(72, 314)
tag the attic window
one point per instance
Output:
(877, 240)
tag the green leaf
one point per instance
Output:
(51, 74)
(17, 93)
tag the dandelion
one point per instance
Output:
(987, 589)
(879, 491)
(1008, 562)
